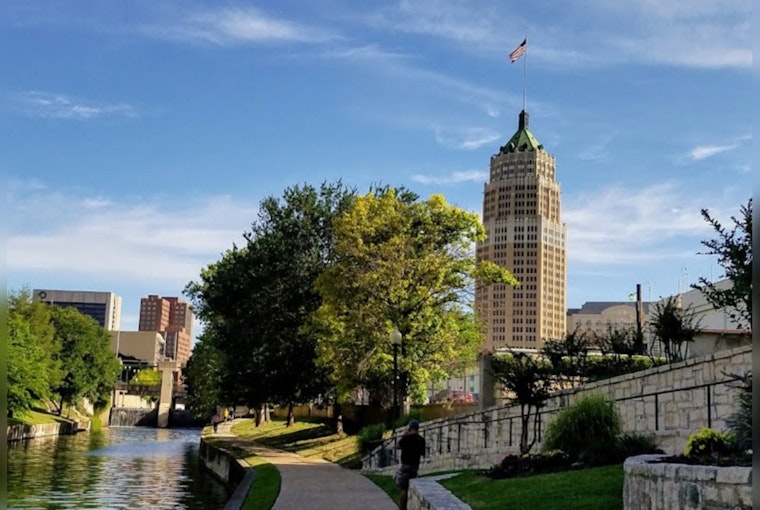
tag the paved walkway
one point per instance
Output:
(315, 484)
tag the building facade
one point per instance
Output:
(173, 318)
(146, 346)
(525, 234)
(595, 318)
(104, 307)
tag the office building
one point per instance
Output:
(145, 346)
(525, 234)
(104, 307)
(173, 318)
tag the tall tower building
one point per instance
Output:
(521, 215)
(173, 318)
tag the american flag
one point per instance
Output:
(519, 51)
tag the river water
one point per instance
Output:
(118, 468)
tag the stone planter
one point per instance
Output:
(656, 486)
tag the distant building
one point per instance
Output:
(718, 330)
(104, 307)
(147, 346)
(173, 318)
(595, 318)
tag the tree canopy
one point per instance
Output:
(405, 263)
(255, 300)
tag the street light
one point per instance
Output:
(395, 342)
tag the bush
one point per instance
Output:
(587, 431)
(370, 435)
(530, 464)
(632, 443)
(740, 421)
(710, 443)
(403, 421)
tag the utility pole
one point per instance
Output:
(639, 318)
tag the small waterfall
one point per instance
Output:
(130, 417)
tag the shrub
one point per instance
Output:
(710, 443)
(633, 443)
(369, 435)
(403, 421)
(587, 431)
(740, 421)
(530, 464)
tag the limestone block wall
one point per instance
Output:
(658, 486)
(670, 402)
(427, 494)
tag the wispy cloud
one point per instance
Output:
(465, 138)
(706, 151)
(596, 151)
(125, 239)
(233, 26)
(618, 225)
(49, 105)
(453, 178)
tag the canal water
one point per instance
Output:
(117, 468)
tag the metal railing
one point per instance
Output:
(439, 438)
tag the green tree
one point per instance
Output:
(256, 300)
(734, 250)
(89, 367)
(568, 358)
(399, 262)
(674, 327)
(203, 377)
(527, 379)
(27, 384)
(37, 316)
(147, 377)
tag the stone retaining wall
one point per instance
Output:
(427, 494)
(224, 465)
(670, 402)
(21, 432)
(659, 486)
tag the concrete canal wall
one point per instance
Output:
(236, 472)
(21, 432)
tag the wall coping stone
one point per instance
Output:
(426, 493)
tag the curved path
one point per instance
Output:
(315, 483)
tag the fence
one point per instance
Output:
(671, 402)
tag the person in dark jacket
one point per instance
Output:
(412, 446)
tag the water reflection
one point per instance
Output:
(119, 468)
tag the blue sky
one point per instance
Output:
(141, 136)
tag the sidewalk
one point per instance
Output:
(315, 484)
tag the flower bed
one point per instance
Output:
(653, 484)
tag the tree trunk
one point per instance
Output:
(259, 415)
(291, 416)
(60, 408)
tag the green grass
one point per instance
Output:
(308, 439)
(386, 483)
(35, 417)
(265, 487)
(587, 489)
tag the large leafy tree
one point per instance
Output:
(405, 263)
(256, 299)
(89, 367)
(733, 247)
(203, 376)
(27, 384)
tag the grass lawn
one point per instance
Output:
(34, 417)
(386, 483)
(587, 489)
(265, 487)
(308, 439)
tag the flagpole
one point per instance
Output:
(525, 73)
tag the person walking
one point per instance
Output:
(215, 422)
(412, 446)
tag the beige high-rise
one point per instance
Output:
(521, 215)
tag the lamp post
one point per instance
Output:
(395, 342)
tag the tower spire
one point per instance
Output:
(523, 120)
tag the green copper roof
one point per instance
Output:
(522, 140)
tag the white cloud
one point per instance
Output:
(35, 103)
(465, 138)
(618, 225)
(231, 26)
(454, 178)
(128, 240)
(706, 151)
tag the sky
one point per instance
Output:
(140, 137)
